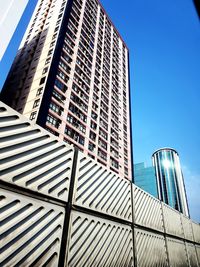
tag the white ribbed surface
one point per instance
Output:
(31, 158)
(150, 249)
(99, 242)
(31, 231)
(100, 189)
(148, 210)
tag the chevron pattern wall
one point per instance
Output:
(102, 190)
(99, 242)
(151, 249)
(61, 208)
(147, 210)
(31, 231)
(32, 158)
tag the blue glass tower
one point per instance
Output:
(145, 178)
(170, 183)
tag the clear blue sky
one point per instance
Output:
(164, 42)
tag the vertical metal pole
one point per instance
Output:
(68, 208)
(133, 226)
(165, 235)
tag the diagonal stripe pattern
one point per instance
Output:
(31, 158)
(99, 189)
(150, 249)
(30, 232)
(99, 242)
(147, 210)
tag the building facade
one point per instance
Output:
(71, 76)
(10, 14)
(170, 182)
(145, 178)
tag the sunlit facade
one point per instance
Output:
(171, 188)
(71, 76)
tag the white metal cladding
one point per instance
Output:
(30, 232)
(147, 210)
(172, 221)
(192, 255)
(198, 253)
(150, 249)
(177, 253)
(99, 242)
(196, 231)
(33, 158)
(187, 227)
(100, 189)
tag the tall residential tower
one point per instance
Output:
(71, 76)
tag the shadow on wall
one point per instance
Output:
(18, 82)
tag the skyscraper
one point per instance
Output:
(145, 178)
(10, 14)
(71, 76)
(171, 189)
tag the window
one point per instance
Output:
(54, 108)
(47, 60)
(39, 91)
(93, 125)
(45, 70)
(33, 115)
(74, 135)
(102, 154)
(42, 80)
(55, 122)
(60, 85)
(50, 52)
(36, 103)
(61, 75)
(91, 146)
(92, 136)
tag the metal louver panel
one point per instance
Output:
(31, 158)
(192, 256)
(196, 231)
(187, 227)
(99, 189)
(172, 220)
(198, 253)
(150, 249)
(99, 242)
(30, 232)
(177, 253)
(147, 210)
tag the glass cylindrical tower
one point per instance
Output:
(170, 182)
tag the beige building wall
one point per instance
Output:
(91, 111)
